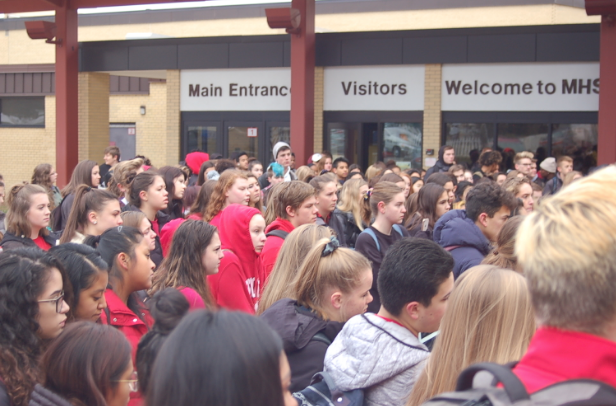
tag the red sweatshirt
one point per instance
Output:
(237, 285)
(557, 355)
(272, 247)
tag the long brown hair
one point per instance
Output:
(489, 318)
(19, 201)
(183, 265)
(86, 200)
(350, 201)
(84, 364)
(82, 175)
(279, 284)
(42, 176)
(259, 203)
(427, 198)
(218, 199)
(199, 207)
(503, 256)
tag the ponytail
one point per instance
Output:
(324, 267)
(140, 183)
(86, 201)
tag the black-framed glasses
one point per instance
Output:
(59, 301)
(133, 383)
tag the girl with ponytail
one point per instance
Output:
(332, 285)
(93, 212)
(503, 255)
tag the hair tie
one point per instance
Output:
(119, 229)
(368, 194)
(88, 189)
(331, 246)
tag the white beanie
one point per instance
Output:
(278, 146)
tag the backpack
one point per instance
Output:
(56, 216)
(278, 233)
(576, 392)
(323, 391)
(370, 232)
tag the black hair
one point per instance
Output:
(82, 264)
(490, 158)
(24, 274)
(462, 186)
(237, 155)
(167, 307)
(338, 160)
(222, 358)
(488, 197)
(202, 178)
(175, 208)
(110, 244)
(140, 183)
(351, 174)
(441, 178)
(224, 164)
(412, 271)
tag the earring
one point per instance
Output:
(95, 222)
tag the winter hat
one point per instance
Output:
(195, 159)
(316, 157)
(278, 146)
(549, 164)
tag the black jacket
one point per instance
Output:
(440, 166)
(337, 224)
(163, 218)
(44, 397)
(297, 327)
(348, 226)
(12, 241)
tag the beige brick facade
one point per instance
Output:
(318, 109)
(432, 109)
(24, 148)
(172, 136)
(93, 115)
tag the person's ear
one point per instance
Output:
(93, 217)
(143, 195)
(381, 207)
(290, 211)
(123, 261)
(483, 219)
(336, 300)
(412, 310)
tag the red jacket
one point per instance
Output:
(237, 285)
(128, 323)
(557, 355)
(270, 251)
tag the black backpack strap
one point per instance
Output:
(277, 233)
(514, 388)
(320, 337)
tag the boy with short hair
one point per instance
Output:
(340, 167)
(458, 172)
(564, 165)
(523, 163)
(381, 353)
(295, 206)
(241, 160)
(111, 157)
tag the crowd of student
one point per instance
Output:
(227, 282)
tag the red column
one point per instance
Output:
(67, 68)
(302, 83)
(607, 94)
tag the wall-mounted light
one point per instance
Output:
(142, 110)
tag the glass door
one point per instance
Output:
(402, 143)
(200, 136)
(243, 136)
(277, 131)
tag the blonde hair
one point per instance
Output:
(321, 163)
(503, 256)
(523, 155)
(133, 219)
(218, 199)
(305, 174)
(296, 246)
(489, 318)
(350, 201)
(514, 185)
(567, 252)
(342, 269)
(373, 170)
(123, 174)
(570, 177)
(19, 201)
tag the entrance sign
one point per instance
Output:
(521, 87)
(259, 89)
(374, 88)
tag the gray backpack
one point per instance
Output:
(577, 392)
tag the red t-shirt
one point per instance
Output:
(41, 243)
(155, 226)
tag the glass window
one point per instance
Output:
(22, 111)
(514, 138)
(243, 139)
(579, 141)
(466, 137)
(278, 134)
(402, 143)
(202, 138)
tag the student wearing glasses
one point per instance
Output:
(32, 312)
(88, 365)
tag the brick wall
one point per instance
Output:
(318, 109)
(432, 109)
(172, 139)
(93, 115)
(24, 148)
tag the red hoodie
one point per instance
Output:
(237, 284)
(558, 355)
(272, 247)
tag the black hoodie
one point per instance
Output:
(297, 327)
(44, 397)
(440, 165)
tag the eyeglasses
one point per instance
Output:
(59, 301)
(133, 383)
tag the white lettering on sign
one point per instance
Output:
(374, 88)
(131, 131)
(262, 89)
(521, 87)
(252, 131)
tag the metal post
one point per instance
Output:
(607, 94)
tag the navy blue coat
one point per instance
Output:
(454, 229)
